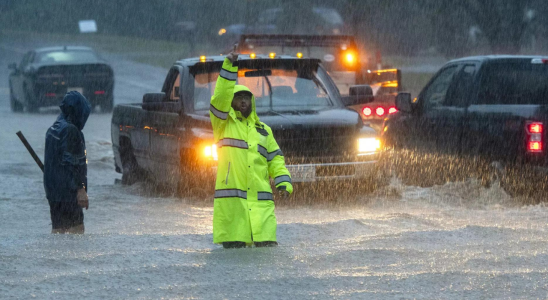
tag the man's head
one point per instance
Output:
(242, 102)
(76, 109)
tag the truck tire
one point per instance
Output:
(131, 172)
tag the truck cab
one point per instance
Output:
(346, 64)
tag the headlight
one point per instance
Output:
(211, 152)
(368, 145)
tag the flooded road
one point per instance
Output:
(457, 240)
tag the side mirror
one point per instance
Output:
(12, 66)
(154, 97)
(359, 94)
(403, 102)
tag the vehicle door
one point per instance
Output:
(448, 119)
(424, 125)
(166, 129)
(17, 78)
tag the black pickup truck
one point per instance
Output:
(489, 107)
(169, 136)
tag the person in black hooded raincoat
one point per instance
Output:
(65, 165)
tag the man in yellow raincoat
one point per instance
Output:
(248, 155)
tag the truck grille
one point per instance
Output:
(317, 145)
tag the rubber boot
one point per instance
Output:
(230, 245)
(266, 244)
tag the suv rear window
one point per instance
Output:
(514, 83)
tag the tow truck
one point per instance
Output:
(343, 61)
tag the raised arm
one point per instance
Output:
(222, 97)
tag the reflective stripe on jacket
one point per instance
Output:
(248, 157)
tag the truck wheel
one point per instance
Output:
(14, 104)
(194, 185)
(131, 172)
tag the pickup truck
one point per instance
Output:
(168, 137)
(489, 107)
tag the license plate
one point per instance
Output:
(302, 173)
(78, 89)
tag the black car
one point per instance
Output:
(44, 75)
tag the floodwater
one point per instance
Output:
(458, 240)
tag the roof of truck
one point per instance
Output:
(497, 57)
(220, 58)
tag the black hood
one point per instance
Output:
(76, 109)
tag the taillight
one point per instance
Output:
(379, 111)
(534, 147)
(51, 94)
(535, 128)
(534, 136)
(392, 110)
(99, 92)
(367, 111)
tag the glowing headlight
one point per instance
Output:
(211, 152)
(368, 145)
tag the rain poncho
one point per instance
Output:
(65, 164)
(248, 156)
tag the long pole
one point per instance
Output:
(31, 151)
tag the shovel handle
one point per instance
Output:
(31, 151)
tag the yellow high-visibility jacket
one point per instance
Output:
(248, 155)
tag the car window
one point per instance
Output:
(65, 56)
(435, 93)
(174, 95)
(519, 82)
(289, 90)
(460, 91)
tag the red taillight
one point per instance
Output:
(99, 92)
(392, 110)
(535, 128)
(534, 147)
(379, 111)
(367, 111)
(534, 136)
(51, 95)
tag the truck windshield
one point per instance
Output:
(286, 89)
(514, 83)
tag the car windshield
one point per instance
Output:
(286, 89)
(514, 83)
(65, 56)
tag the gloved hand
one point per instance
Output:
(282, 193)
(233, 56)
(82, 198)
